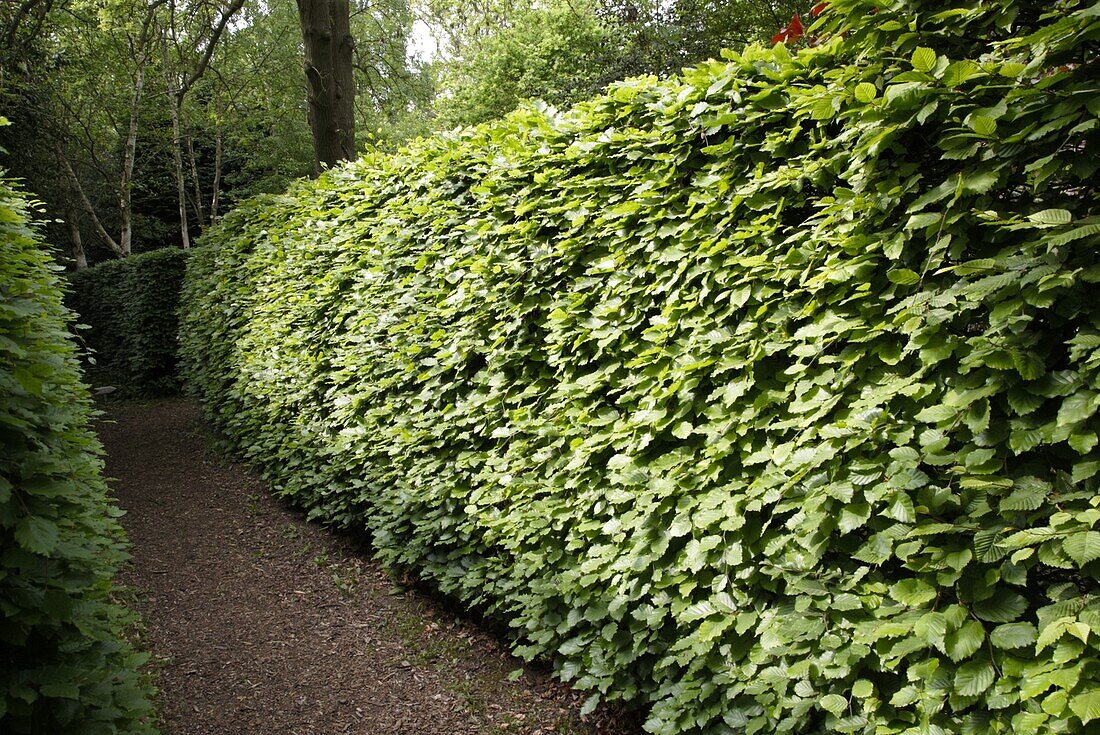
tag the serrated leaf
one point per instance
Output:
(937, 414)
(913, 592)
(962, 643)
(1086, 706)
(1051, 632)
(974, 677)
(1013, 635)
(903, 276)
(1023, 440)
(1026, 496)
(1028, 365)
(60, 690)
(1051, 217)
(982, 125)
(923, 59)
(1003, 606)
(979, 182)
(834, 703)
(37, 535)
(960, 72)
(865, 92)
(905, 696)
(1083, 546)
(932, 629)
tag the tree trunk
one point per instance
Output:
(217, 176)
(74, 182)
(177, 159)
(126, 178)
(200, 216)
(330, 82)
(72, 221)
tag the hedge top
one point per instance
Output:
(764, 397)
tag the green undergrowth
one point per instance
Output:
(67, 666)
(130, 310)
(763, 398)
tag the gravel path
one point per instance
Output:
(262, 623)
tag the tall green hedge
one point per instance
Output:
(764, 398)
(66, 666)
(129, 307)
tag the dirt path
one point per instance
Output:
(262, 623)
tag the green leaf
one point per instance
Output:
(960, 72)
(979, 182)
(1055, 704)
(1013, 635)
(1083, 546)
(1051, 632)
(866, 92)
(974, 678)
(903, 276)
(1086, 706)
(924, 59)
(982, 125)
(862, 689)
(60, 690)
(1028, 494)
(962, 643)
(913, 592)
(37, 535)
(1028, 365)
(1003, 606)
(834, 703)
(1051, 217)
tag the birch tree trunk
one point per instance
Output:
(72, 221)
(177, 159)
(74, 182)
(126, 176)
(180, 82)
(217, 176)
(200, 216)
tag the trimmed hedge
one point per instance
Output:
(66, 666)
(129, 307)
(764, 398)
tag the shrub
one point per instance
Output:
(764, 397)
(65, 664)
(129, 307)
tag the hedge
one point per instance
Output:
(66, 665)
(129, 307)
(763, 398)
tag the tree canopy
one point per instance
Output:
(138, 123)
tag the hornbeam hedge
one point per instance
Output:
(66, 666)
(764, 398)
(130, 307)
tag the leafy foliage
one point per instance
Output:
(130, 308)
(563, 52)
(67, 667)
(554, 54)
(765, 397)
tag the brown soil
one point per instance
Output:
(260, 622)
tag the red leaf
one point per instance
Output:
(780, 37)
(794, 28)
(818, 9)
